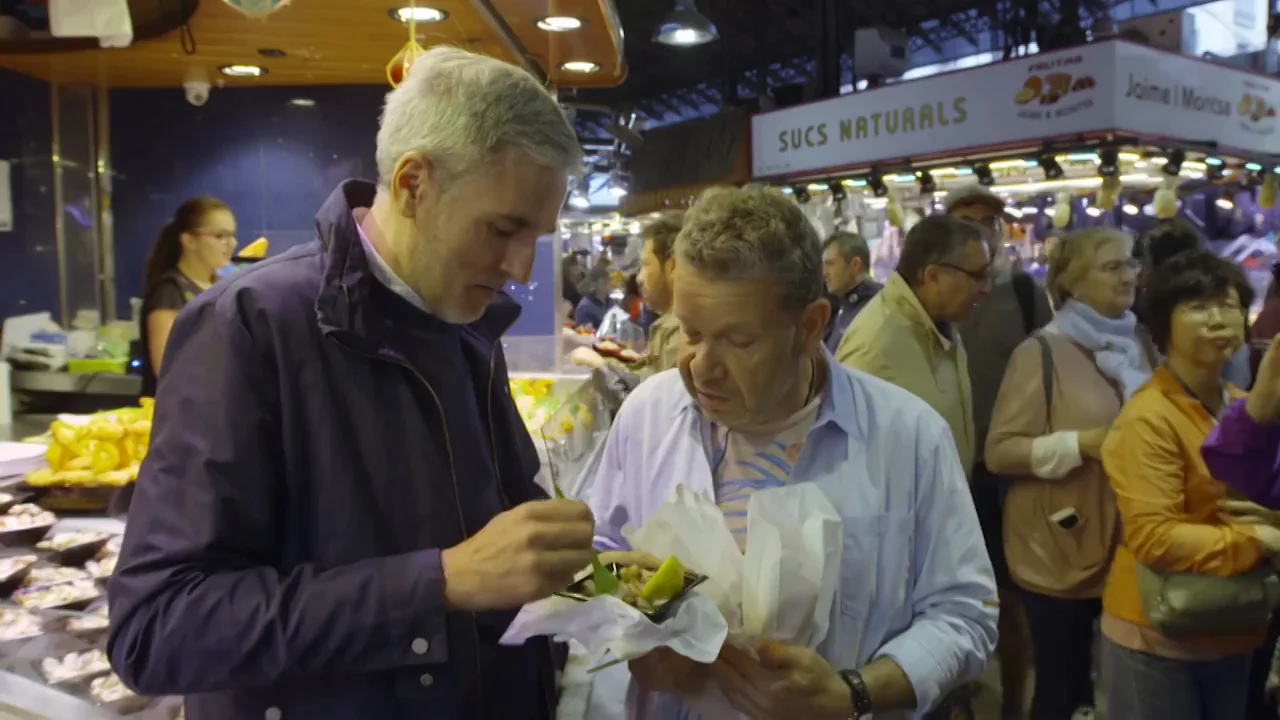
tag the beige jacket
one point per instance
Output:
(1038, 448)
(660, 351)
(895, 340)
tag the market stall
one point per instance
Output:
(1110, 133)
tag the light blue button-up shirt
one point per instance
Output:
(916, 582)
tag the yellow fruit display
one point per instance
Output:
(104, 449)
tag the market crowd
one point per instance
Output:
(339, 518)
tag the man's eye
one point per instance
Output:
(502, 233)
(741, 342)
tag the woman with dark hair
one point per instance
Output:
(1169, 507)
(192, 247)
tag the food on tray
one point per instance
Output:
(74, 666)
(18, 624)
(6, 498)
(627, 355)
(52, 575)
(95, 619)
(649, 591)
(104, 566)
(26, 515)
(109, 689)
(59, 595)
(104, 449)
(64, 540)
(10, 566)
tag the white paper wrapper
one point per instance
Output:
(610, 629)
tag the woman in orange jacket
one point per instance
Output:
(1169, 503)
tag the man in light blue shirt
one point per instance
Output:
(757, 403)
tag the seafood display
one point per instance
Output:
(65, 540)
(52, 575)
(100, 450)
(65, 594)
(25, 516)
(92, 621)
(10, 566)
(109, 689)
(18, 624)
(75, 666)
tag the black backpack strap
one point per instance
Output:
(1046, 369)
(1024, 287)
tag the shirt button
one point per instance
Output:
(420, 646)
(272, 714)
(426, 680)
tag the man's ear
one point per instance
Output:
(414, 176)
(813, 322)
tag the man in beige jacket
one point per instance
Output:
(907, 333)
(657, 271)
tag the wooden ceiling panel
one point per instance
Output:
(338, 42)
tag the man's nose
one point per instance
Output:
(517, 262)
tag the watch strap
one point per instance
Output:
(858, 692)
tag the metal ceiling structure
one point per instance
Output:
(765, 44)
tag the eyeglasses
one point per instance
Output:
(222, 237)
(979, 276)
(1115, 267)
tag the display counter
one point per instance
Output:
(59, 392)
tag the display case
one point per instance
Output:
(53, 620)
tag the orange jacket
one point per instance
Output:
(1169, 503)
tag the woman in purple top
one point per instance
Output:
(1244, 449)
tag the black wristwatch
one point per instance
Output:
(858, 691)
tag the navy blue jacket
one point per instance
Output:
(845, 309)
(317, 440)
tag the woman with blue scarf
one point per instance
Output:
(1060, 394)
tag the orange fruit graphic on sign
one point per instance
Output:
(1051, 88)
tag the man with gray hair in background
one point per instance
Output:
(757, 405)
(846, 268)
(338, 516)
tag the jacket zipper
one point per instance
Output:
(550, 693)
(453, 476)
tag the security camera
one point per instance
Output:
(197, 91)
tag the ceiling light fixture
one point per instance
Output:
(1048, 163)
(1108, 162)
(1173, 166)
(242, 70)
(927, 183)
(559, 23)
(801, 193)
(685, 26)
(580, 66)
(985, 178)
(420, 14)
(1130, 209)
(876, 183)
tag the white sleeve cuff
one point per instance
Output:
(1056, 454)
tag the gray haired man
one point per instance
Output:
(338, 517)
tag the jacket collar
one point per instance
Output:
(863, 291)
(838, 406)
(899, 292)
(344, 305)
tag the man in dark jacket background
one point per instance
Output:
(338, 516)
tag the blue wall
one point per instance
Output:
(271, 162)
(28, 260)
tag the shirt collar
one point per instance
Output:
(837, 408)
(366, 225)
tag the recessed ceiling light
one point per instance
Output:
(580, 66)
(559, 23)
(302, 102)
(417, 14)
(242, 70)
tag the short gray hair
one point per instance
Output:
(753, 232)
(935, 240)
(459, 109)
(851, 245)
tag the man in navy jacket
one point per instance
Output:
(338, 518)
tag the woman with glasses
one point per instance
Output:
(1060, 394)
(1174, 530)
(193, 245)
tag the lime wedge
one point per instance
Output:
(666, 583)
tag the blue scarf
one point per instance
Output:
(1112, 341)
